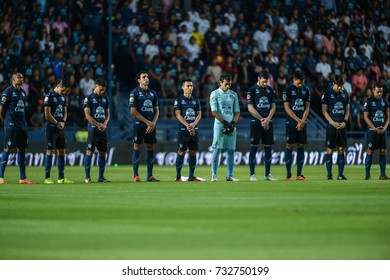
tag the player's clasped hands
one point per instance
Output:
(300, 125)
(102, 127)
(150, 127)
(191, 129)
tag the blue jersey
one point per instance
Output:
(297, 98)
(144, 101)
(99, 106)
(14, 102)
(189, 108)
(377, 109)
(261, 98)
(225, 103)
(337, 103)
(57, 104)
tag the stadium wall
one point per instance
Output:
(121, 152)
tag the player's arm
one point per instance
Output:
(90, 119)
(136, 114)
(328, 117)
(346, 116)
(290, 112)
(152, 126)
(2, 113)
(254, 112)
(387, 121)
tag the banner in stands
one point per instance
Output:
(165, 154)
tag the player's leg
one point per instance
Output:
(254, 145)
(48, 165)
(268, 141)
(88, 155)
(150, 141)
(290, 141)
(301, 139)
(341, 143)
(8, 145)
(22, 143)
(60, 144)
(217, 145)
(193, 145)
(138, 140)
(182, 148)
(382, 156)
(330, 144)
(370, 151)
(230, 148)
(102, 146)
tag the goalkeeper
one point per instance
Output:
(226, 110)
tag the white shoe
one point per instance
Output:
(253, 178)
(232, 179)
(214, 178)
(184, 178)
(201, 179)
(271, 178)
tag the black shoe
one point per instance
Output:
(367, 178)
(103, 180)
(193, 179)
(153, 179)
(329, 177)
(341, 177)
(384, 178)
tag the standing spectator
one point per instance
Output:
(144, 107)
(323, 67)
(12, 114)
(261, 105)
(188, 113)
(56, 115)
(376, 115)
(87, 83)
(262, 37)
(335, 108)
(97, 113)
(226, 111)
(359, 82)
(168, 91)
(296, 100)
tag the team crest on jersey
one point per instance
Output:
(194, 102)
(383, 104)
(131, 99)
(104, 100)
(4, 99)
(62, 98)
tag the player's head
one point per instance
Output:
(298, 79)
(17, 79)
(100, 86)
(225, 82)
(61, 86)
(142, 79)
(187, 86)
(338, 82)
(377, 90)
(263, 78)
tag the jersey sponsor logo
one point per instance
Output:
(379, 117)
(190, 115)
(263, 103)
(19, 107)
(100, 113)
(298, 105)
(147, 106)
(338, 108)
(58, 113)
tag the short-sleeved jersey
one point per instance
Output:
(57, 104)
(99, 106)
(337, 103)
(297, 98)
(377, 109)
(261, 98)
(225, 103)
(144, 101)
(14, 102)
(189, 108)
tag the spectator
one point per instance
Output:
(323, 67)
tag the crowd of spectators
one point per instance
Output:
(201, 39)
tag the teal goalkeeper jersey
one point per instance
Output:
(225, 103)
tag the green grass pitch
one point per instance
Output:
(317, 219)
